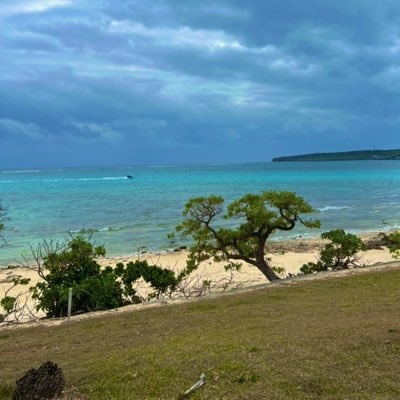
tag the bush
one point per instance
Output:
(160, 279)
(341, 253)
(74, 265)
(394, 244)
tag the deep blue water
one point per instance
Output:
(127, 214)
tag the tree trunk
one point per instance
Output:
(261, 264)
(267, 270)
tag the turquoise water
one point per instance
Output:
(129, 213)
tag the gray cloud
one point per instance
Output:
(100, 132)
(145, 79)
(17, 129)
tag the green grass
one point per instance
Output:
(328, 339)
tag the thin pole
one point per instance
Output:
(69, 303)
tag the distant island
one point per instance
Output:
(344, 156)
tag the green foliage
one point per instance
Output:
(160, 279)
(254, 217)
(20, 281)
(94, 288)
(394, 245)
(9, 304)
(311, 267)
(340, 253)
(278, 270)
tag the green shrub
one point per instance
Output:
(74, 265)
(340, 253)
(394, 245)
(160, 279)
(7, 304)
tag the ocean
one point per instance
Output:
(128, 214)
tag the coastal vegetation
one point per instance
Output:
(233, 234)
(394, 244)
(254, 219)
(344, 156)
(341, 253)
(335, 338)
(74, 264)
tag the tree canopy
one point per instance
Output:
(249, 222)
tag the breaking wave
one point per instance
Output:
(106, 178)
(332, 208)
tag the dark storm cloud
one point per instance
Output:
(180, 81)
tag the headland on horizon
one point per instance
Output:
(344, 156)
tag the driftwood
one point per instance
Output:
(195, 387)
(44, 383)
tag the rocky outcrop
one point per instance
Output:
(378, 242)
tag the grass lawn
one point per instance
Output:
(325, 339)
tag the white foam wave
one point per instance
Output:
(106, 178)
(96, 230)
(332, 208)
(25, 171)
(31, 171)
(111, 229)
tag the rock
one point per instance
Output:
(378, 242)
(180, 248)
(45, 383)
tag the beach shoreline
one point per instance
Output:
(287, 254)
(274, 242)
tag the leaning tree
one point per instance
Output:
(249, 222)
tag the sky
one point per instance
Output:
(130, 82)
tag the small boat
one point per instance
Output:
(129, 176)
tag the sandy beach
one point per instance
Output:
(290, 255)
